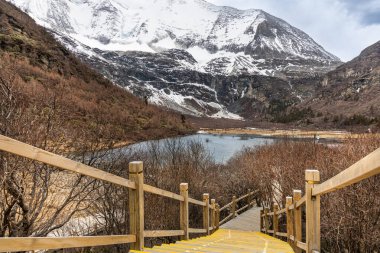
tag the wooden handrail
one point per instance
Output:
(363, 169)
(25, 150)
(238, 199)
(301, 202)
(226, 206)
(15, 244)
(163, 233)
(197, 230)
(136, 204)
(233, 205)
(160, 192)
(196, 202)
(226, 219)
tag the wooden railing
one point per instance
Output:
(232, 206)
(363, 169)
(137, 188)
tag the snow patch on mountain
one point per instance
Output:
(191, 37)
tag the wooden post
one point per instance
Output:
(297, 214)
(249, 199)
(313, 204)
(261, 220)
(136, 205)
(289, 219)
(275, 219)
(266, 220)
(206, 215)
(184, 210)
(233, 207)
(213, 208)
(217, 219)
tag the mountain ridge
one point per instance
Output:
(223, 42)
(348, 95)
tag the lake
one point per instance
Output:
(221, 147)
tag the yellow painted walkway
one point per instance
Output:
(226, 240)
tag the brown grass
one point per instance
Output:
(350, 217)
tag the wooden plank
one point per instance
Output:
(226, 206)
(291, 238)
(197, 230)
(136, 205)
(206, 214)
(217, 218)
(282, 234)
(25, 150)
(297, 219)
(270, 231)
(266, 219)
(301, 201)
(289, 218)
(243, 208)
(313, 226)
(301, 245)
(271, 214)
(160, 192)
(196, 202)
(16, 244)
(233, 206)
(184, 211)
(247, 195)
(213, 215)
(282, 211)
(365, 168)
(226, 219)
(243, 197)
(163, 233)
(249, 199)
(275, 219)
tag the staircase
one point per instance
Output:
(245, 229)
(226, 240)
(240, 234)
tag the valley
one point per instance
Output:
(122, 121)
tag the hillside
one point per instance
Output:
(349, 95)
(42, 79)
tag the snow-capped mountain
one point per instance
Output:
(219, 41)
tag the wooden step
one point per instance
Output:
(227, 240)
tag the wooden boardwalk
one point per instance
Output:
(247, 221)
(237, 235)
(226, 240)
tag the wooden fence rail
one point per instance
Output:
(363, 169)
(233, 205)
(137, 188)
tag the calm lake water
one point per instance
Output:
(221, 147)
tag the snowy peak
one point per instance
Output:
(153, 26)
(189, 55)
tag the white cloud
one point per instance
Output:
(337, 25)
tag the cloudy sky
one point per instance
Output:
(343, 27)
